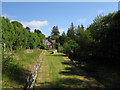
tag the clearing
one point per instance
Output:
(57, 71)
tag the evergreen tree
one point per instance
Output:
(55, 31)
(71, 32)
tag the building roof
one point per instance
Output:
(46, 42)
(53, 41)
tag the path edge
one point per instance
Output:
(32, 76)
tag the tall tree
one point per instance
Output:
(55, 31)
(71, 32)
(28, 29)
(37, 31)
(63, 38)
(15, 36)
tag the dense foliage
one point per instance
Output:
(15, 36)
(100, 40)
(106, 34)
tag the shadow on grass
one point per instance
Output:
(66, 63)
(50, 51)
(56, 54)
(71, 71)
(65, 83)
(13, 71)
(103, 72)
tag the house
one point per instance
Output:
(49, 43)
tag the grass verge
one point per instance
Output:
(17, 66)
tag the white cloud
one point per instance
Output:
(62, 29)
(50, 29)
(82, 20)
(100, 11)
(35, 24)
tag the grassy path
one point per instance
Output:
(56, 71)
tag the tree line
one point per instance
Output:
(100, 40)
(15, 36)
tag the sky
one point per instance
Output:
(45, 15)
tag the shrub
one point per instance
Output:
(43, 46)
(70, 47)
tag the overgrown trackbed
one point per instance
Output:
(56, 71)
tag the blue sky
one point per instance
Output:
(45, 15)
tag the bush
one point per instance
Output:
(57, 45)
(70, 47)
(60, 49)
(43, 46)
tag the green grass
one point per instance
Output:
(56, 72)
(17, 67)
(106, 74)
